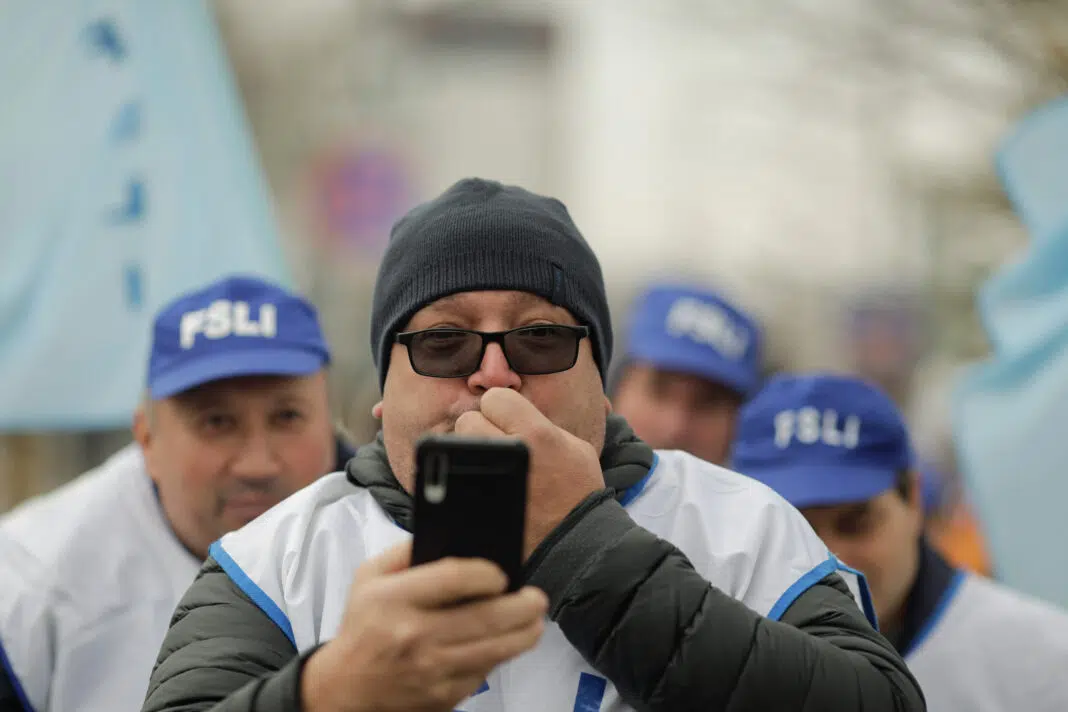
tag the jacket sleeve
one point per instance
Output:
(615, 588)
(223, 653)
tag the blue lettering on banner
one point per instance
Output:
(127, 124)
(133, 209)
(135, 295)
(104, 36)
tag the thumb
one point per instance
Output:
(510, 411)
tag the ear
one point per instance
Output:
(142, 434)
(376, 410)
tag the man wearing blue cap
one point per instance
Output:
(235, 419)
(691, 360)
(837, 449)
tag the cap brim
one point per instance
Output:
(816, 486)
(672, 357)
(233, 364)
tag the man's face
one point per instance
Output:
(223, 453)
(414, 405)
(678, 411)
(880, 538)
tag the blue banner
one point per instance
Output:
(1011, 412)
(127, 175)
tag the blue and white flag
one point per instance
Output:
(127, 175)
(1011, 412)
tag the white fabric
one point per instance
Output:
(991, 649)
(100, 575)
(298, 560)
(21, 604)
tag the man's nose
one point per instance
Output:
(494, 371)
(256, 460)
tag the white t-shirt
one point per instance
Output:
(297, 563)
(988, 648)
(101, 576)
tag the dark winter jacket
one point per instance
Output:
(607, 580)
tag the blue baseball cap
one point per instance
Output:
(237, 326)
(697, 332)
(822, 439)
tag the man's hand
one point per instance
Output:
(413, 639)
(564, 469)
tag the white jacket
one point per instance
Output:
(99, 575)
(988, 648)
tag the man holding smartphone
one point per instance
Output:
(655, 580)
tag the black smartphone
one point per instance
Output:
(471, 501)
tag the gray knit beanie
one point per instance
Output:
(481, 235)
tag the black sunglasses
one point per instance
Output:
(457, 353)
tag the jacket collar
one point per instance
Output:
(935, 585)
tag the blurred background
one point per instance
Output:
(826, 163)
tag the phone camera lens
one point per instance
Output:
(437, 467)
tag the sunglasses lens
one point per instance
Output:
(445, 353)
(539, 350)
